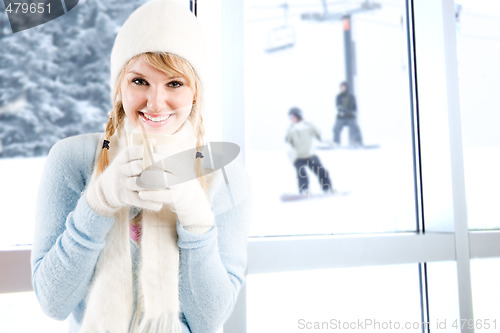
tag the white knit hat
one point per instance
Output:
(158, 26)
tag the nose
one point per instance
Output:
(156, 98)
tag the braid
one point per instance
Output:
(200, 141)
(114, 122)
(199, 129)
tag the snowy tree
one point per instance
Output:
(55, 77)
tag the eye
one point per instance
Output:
(175, 84)
(139, 81)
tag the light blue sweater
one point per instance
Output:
(69, 237)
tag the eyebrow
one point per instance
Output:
(135, 73)
(142, 75)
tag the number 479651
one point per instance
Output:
(475, 323)
(25, 8)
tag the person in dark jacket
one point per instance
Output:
(347, 116)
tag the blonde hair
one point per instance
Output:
(171, 65)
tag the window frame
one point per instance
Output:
(433, 241)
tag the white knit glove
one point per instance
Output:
(189, 201)
(116, 187)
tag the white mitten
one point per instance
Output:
(116, 187)
(189, 201)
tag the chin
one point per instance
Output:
(166, 130)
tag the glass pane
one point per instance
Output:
(20, 312)
(364, 299)
(485, 274)
(442, 294)
(57, 86)
(296, 56)
(478, 38)
(19, 178)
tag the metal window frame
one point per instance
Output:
(431, 243)
(290, 253)
(282, 254)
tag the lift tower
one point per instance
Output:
(346, 17)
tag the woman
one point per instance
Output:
(117, 257)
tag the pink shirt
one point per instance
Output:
(135, 232)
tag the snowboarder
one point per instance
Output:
(300, 136)
(347, 116)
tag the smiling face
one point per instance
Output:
(162, 101)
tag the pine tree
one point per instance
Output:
(55, 77)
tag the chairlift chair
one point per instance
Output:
(280, 38)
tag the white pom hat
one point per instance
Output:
(158, 26)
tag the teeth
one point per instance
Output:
(156, 119)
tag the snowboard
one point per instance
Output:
(363, 147)
(286, 197)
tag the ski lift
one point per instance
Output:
(282, 37)
(346, 9)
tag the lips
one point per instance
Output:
(155, 120)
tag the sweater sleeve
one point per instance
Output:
(69, 235)
(316, 132)
(290, 136)
(213, 265)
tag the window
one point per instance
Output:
(437, 240)
(341, 299)
(58, 86)
(478, 29)
(484, 274)
(297, 55)
(399, 242)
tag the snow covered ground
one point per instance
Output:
(19, 179)
(382, 192)
(380, 183)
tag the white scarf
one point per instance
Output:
(110, 302)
